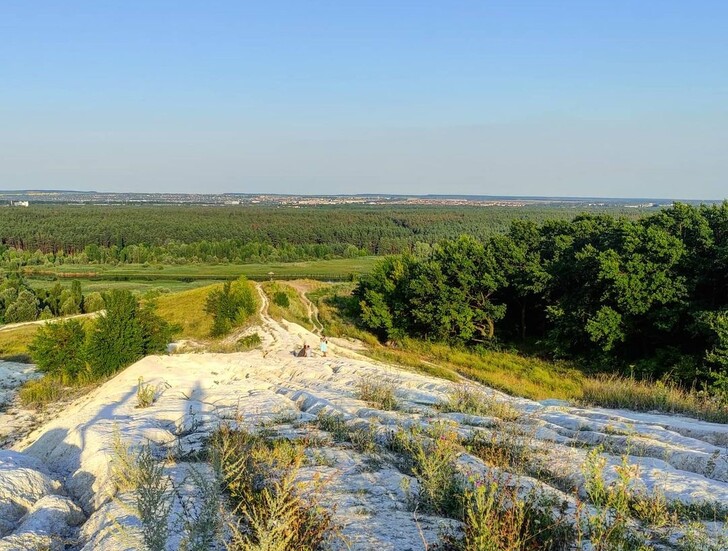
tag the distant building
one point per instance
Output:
(19, 203)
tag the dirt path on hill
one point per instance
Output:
(302, 287)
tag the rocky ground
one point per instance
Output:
(57, 490)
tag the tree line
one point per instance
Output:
(63, 234)
(645, 296)
(19, 302)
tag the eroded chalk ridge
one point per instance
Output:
(386, 456)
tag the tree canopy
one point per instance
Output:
(649, 296)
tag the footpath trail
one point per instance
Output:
(56, 485)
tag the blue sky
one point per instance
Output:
(587, 98)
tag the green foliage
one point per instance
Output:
(23, 308)
(274, 511)
(648, 296)
(59, 349)
(379, 394)
(146, 394)
(281, 299)
(21, 303)
(125, 333)
(109, 235)
(249, 342)
(231, 306)
(93, 302)
(152, 500)
(500, 515)
(431, 457)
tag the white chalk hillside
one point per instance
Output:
(55, 485)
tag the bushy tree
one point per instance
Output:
(444, 296)
(125, 333)
(24, 308)
(231, 305)
(60, 349)
(93, 302)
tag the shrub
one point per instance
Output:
(146, 394)
(497, 518)
(431, 457)
(152, 500)
(506, 446)
(232, 305)
(59, 349)
(140, 472)
(259, 476)
(25, 308)
(248, 342)
(125, 333)
(93, 302)
(379, 394)
(464, 399)
(608, 525)
(281, 299)
(334, 424)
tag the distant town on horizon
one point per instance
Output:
(27, 197)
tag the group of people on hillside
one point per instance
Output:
(306, 351)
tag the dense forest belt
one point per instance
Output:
(138, 234)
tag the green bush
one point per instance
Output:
(93, 302)
(231, 306)
(125, 333)
(281, 299)
(60, 349)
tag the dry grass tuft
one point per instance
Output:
(466, 399)
(379, 394)
(268, 504)
(621, 392)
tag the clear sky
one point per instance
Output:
(621, 98)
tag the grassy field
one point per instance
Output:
(141, 287)
(337, 269)
(187, 310)
(14, 343)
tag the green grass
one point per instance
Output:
(512, 373)
(14, 343)
(187, 310)
(339, 268)
(621, 392)
(295, 312)
(141, 287)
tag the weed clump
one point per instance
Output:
(269, 508)
(430, 457)
(465, 399)
(379, 394)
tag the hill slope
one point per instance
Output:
(58, 484)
